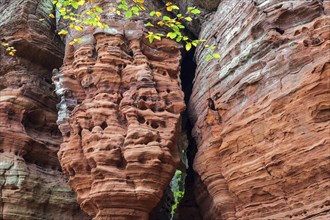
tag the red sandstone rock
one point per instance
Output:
(120, 139)
(263, 151)
(31, 183)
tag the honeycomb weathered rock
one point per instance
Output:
(120, 117)
(32, 185)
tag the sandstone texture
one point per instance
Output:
(120, 117)
(261, 112)
(259, 115)
(32, 185)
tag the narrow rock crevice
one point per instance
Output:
(188, 208)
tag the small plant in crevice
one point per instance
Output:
(177, 187)
(210, 53)
(8, 48)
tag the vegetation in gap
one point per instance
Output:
(9, 49)
(177, 187)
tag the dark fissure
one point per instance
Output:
(187, 207)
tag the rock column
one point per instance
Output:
(120, 117)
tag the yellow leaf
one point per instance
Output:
(139, 1)
(63, 32)
(100, 25)
(71, 26)
(168, 3)
(188, 19)
(51, 15)
(169, 8)
(158, 14)
(118, 12)
(78, 28)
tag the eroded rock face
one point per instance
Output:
(262, 111)
(31, 183)
(120, 119)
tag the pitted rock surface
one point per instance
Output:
(120, 139)
(32, 185)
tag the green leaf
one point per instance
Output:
(151, 38)
(188, 46)
(174, 7)
(158, 37)
(166, 18)
(208, 57)
(152, 13)
(149, 24)
(216, 55)
(79, 40)
(188, 18)
(175, 28)
(189, 9)
(98, 9)
(195, 43)
(212, 47)
(171, 35)
(135, 10)
(195, 11)
(81, 2)
(128, 14)
(75, 5)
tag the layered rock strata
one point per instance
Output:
(262, 111)
(32, 185)
(120, 109)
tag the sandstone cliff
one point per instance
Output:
(259, 116)
(261, 113)
(32, 185)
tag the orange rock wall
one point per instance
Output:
(32, 185)
(120, 119)
(261, 115)
(262, 112)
